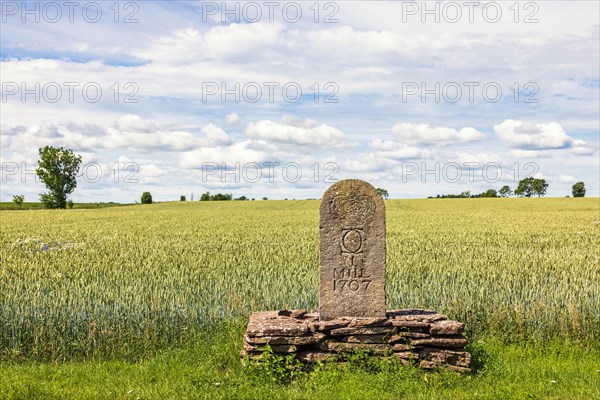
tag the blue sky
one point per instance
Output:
(405, 95)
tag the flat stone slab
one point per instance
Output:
(402, 336)
(292, 313)
(410, 324)
(276, 348)
(329, 325)
(441, 341)
(314, 338)
(311, 316)
(402, 347)
(447, 328)
(416, 315)
(338, 347)
(366, 339)
(412, 335)
(406, 355)
(362, 322)
(444, 356)
(262, 324)
(409, 311)
(375, 330)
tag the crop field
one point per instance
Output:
(127, 283)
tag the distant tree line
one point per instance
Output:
(58, 169)
(467, 194)
(526, 188)
(222, 197)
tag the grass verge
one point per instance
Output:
(211, 369)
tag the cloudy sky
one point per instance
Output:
(280, 99)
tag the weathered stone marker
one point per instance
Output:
(352, 251)
(352, 315)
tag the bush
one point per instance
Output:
(489, 193)
(215, 197)
(70, 203)
(182, 198)
(146, 198)
(578, 189)
(18, 199)
(222, 197)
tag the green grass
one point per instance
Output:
(212, 370)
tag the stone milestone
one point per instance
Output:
(352, 315)
(352, 251)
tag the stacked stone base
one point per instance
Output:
(420, 337)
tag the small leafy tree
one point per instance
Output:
(146, 198)
(490, 193)
(383, 193)
(57, 169)
(222, 197)
(578, 189)
(540, 187)
(525, 187)
(70, 203)
(216, 197)
(505, 191)
(182, 198)
(530, 186)
(18, 199)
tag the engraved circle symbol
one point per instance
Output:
(352, 241)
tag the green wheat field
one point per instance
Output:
(150, 301)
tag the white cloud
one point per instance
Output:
(7, 130)
(232, 42)
(541, 175)
(129, 131)
(518, 153)
(232, 119)
(134, 123)
(429, 134)
(582, 150)
(316, 135)
(534, 136)
(477, 160)
(151, 170)
(299, 122)
(216, 135)
(567, 179)
(366, 163)
(230, 155)
(398, 151)
(174, 140)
